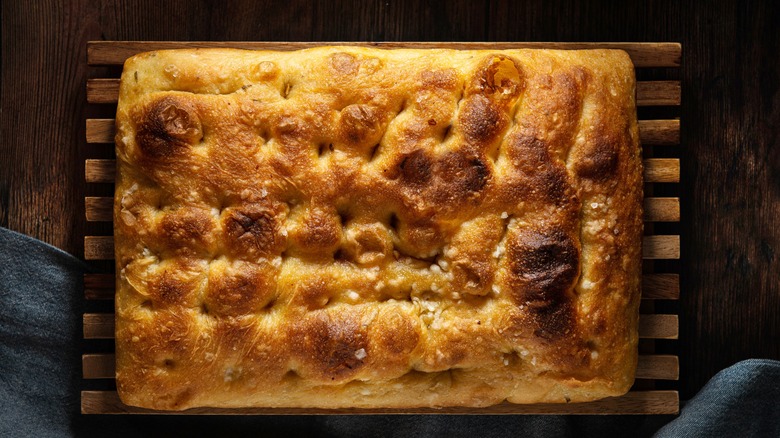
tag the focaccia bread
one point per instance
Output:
(357, 227)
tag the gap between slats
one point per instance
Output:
(634, 402)
(642, 54)
(99, 286)
(651, 132)
(651, 326)
(656, 367)
(100, 209)
(648, 93)
(656, 170)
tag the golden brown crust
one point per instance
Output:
(354, 227)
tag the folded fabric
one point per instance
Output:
(741, 400)
(39, 337)
(41, 303)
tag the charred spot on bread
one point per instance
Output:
(168, 126)
(599, 158)
(252, 230)
(481, 119)
(329, 345)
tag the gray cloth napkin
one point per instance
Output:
(41, 303)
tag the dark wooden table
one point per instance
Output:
(730, 273)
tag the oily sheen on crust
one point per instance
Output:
(355, 227)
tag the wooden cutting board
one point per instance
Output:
(654, 391)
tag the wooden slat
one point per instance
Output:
(98, 366)
(107, 90)
(635, 402)
(655, 170)
(662, 170)
(658, 326)
(654, 93)
(99, 247)
(654, 286)
(659, 132)
(648, 93)
(642, 54)
(661, 247)
(104, 90)
(656, 209)
(657, 367)
(651, 132)
(100, 209)
(98, 325)
(653, 326)
(101, 130)
(100, 171)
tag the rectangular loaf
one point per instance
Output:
(356, 227)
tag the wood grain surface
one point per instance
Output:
(635, 402)
(642, 55)
(728, 145)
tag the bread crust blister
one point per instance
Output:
(355, 227)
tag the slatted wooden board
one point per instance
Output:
(652, 393)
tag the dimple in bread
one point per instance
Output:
(355, 227)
